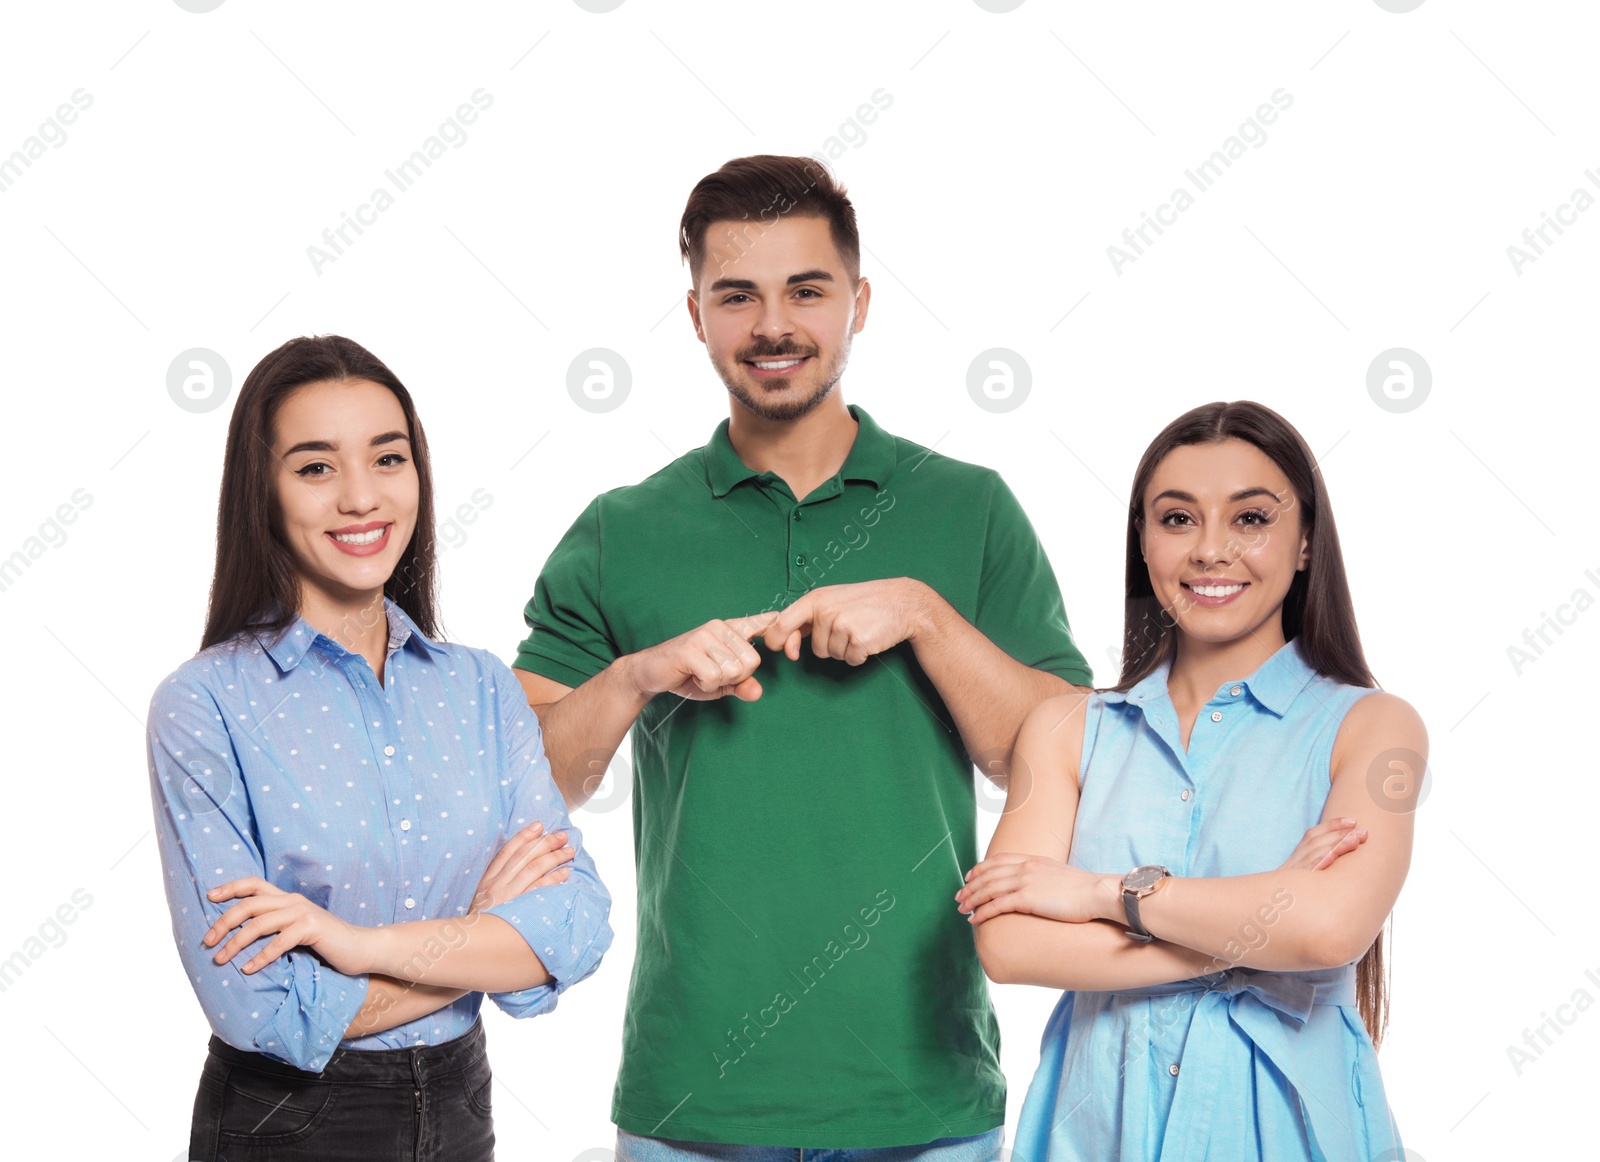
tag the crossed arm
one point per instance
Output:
(1041, 921)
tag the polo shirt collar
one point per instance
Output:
(871, 458)
(298, 637)
(1276, 683)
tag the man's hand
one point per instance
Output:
(704, 664)
(851, 622)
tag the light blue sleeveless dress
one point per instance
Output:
(1241, 1064)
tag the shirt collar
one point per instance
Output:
(1276, 683)
(871, 458)
(297, 639)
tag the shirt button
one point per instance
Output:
(1185, 796)
(800, 559)
(797, 513)
(1236, 690)
(1172, 1069)
(388, 750)
(410, 903)
(1216, 716)
(405, 825)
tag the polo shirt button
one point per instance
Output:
(410, 903)
(1235, 691)
(405, 825)
(388, 750)
(1216, 716)
(1172, 1069)
(800, 559)
(797, 513)
(1185, 796)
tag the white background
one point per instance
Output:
(1377, 213)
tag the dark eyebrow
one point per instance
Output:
(744, 284)
(1242, 494)
(329, 446)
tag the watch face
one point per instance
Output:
(1141, 878)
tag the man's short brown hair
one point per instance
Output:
(759, 191)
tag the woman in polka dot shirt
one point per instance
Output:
(359, 832)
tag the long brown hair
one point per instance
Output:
(255, 586)
(1317, 610)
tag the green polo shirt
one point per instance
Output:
(802, 976)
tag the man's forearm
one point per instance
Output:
(988, 691)
(583, 729)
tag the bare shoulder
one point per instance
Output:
(1053, 729)
(1378, 722)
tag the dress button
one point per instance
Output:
(1236, 690)
(1216, 716)
(388, 750)
(405, 825)
(1185, 796)
(1172, 1069)
(410, 903)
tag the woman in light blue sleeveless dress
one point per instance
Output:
(1223, 999)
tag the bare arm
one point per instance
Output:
(988, 691)
(583, 727)
(1334, 915)
(478, 951)
(1041, 809)
(1319, 911)
(391, 1003)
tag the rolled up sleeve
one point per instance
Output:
(295, 1010)
(567, 926)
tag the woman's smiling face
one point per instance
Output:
(347, 488)
(1222, 538)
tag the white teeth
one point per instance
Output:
(778, 366)
(365, 538)
(1216, 590)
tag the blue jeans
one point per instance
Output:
(980, 1148)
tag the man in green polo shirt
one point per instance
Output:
(803, 804)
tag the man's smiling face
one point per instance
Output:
(776, 309)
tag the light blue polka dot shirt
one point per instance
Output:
(287, 760)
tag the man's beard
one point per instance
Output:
(791, 409)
